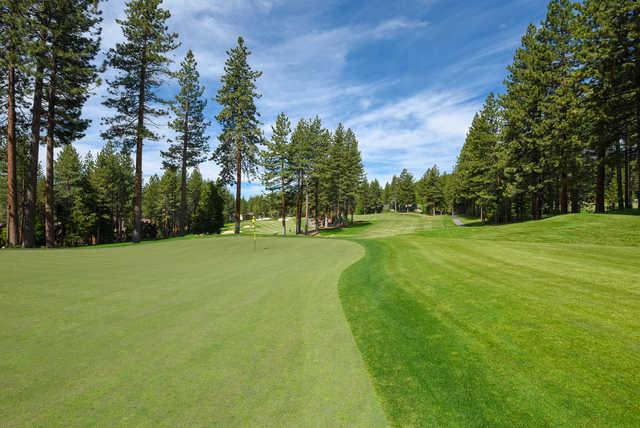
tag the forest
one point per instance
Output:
(48, 70)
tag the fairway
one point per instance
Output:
(532, 324)
(409, 321)
(184, 332)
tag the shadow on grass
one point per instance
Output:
(627, 211)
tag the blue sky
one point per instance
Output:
(406, 76)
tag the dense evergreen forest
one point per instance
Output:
(565, 135)
(48, 70)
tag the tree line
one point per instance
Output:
(48, 70)
(433, 193)
(315, 172)
(565, 135)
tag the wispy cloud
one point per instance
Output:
(407, 77)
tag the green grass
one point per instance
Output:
(389, 224)
(410, 320)
(530, 324)
(181, 333)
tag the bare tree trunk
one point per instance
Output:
(600, 180)
(51, 124)
(236, 229)
(283, 206)
(183, 178)
(619, 176)
(317, 202)
(306, 214)
(299, 206)
(627, 176)
(12, 197)
(564, 192)
(29, 240)
(137, 205)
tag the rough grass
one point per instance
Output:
(181, 333)
(530, 324)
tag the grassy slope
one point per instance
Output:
(189, 332)
(527, 324)
(389, 224)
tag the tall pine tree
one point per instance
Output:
(276, 164)
(74, 43)
(189, 124)
(141, 62)
(238, 151)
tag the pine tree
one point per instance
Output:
(40, 21)
(191, 144)
(276, 164)
(194, 188)
(479, 163)
(523, 134)
(241, 135)
(209, 216)
(113, 180)
(141, 61)
(353, 173)
(300, 157)
(429, 190)
(375, 197)
(74, 43)
(168, 202)
(337, 181)
(560, 96)
(406, 191)
(14, 46)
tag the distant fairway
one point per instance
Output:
(390, 224)
(532, 324)
(181, 333)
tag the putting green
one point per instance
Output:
(184, 332)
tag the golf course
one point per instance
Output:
(400, 319)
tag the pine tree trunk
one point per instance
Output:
(564, 192)
(317, 202)
(637, 133)
(236, 229)
(600, 180)
(619, 176)
(627, 176)
(299, 206)
(137, 205)
(306, 209)
(29, 240)
(283, 206)
(48, 192)
(183, 180)
(12, 197)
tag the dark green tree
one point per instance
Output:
(14, 46)
(238, 151)
(406, 191)
(141, 62)
(209, 216)
(189, 124)
(74, 42)
(276, 164)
